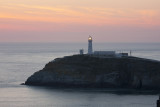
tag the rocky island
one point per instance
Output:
(95, 72)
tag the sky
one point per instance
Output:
(75, 20)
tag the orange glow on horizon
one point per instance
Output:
(93, 16)
(79, 16)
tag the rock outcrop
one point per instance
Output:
(89, 71)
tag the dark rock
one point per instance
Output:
(22, 84)
(89, 71)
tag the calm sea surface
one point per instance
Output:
(20, 60)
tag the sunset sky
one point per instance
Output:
(75, 20)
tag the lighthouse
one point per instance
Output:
(90, 45)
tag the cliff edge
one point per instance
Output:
(88, 71)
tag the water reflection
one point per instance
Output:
(30, 96)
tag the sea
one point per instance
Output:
(18, 61)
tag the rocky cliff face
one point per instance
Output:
(88, 71)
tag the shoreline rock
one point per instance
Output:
(83, 71)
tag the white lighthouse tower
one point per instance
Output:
(90, 45)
